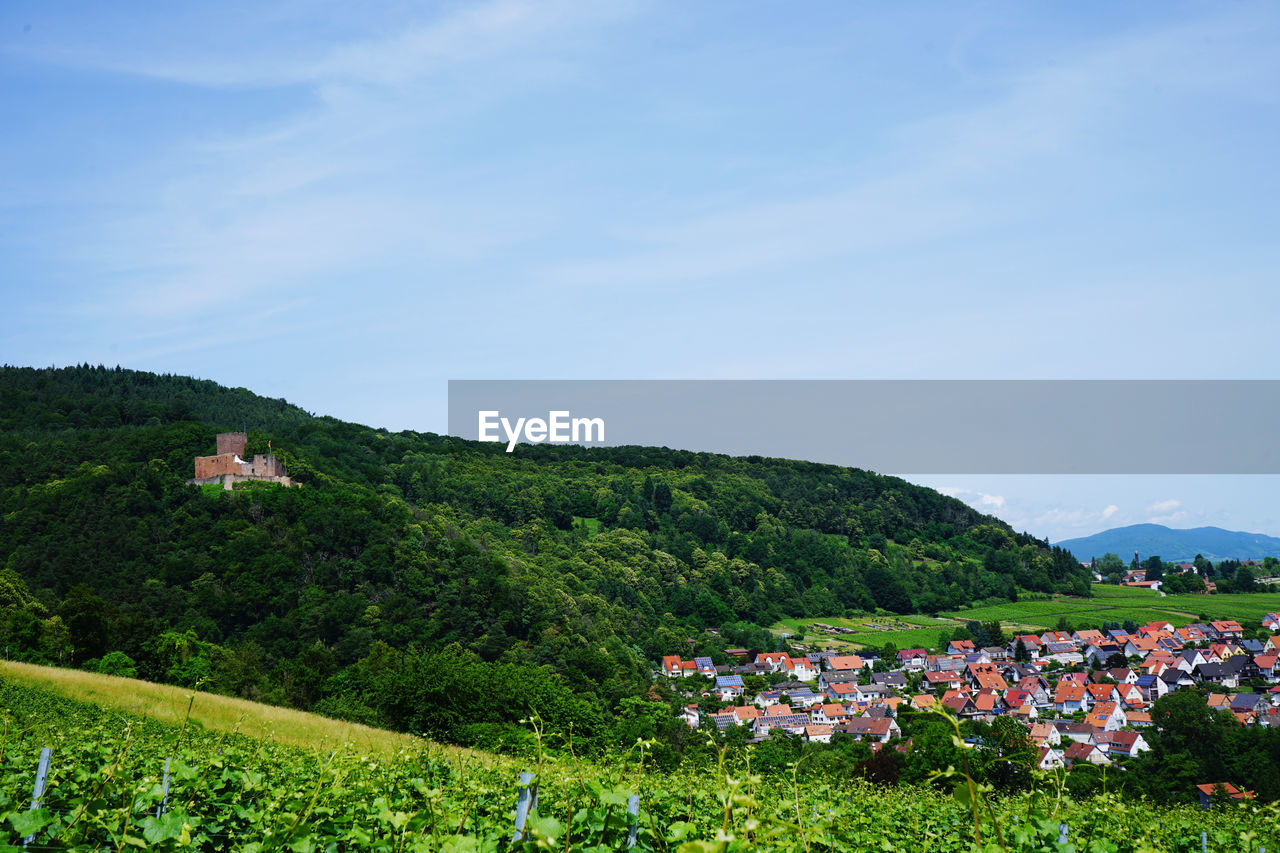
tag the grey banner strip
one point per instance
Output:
(910, 426)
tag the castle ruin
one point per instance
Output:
(228, 466)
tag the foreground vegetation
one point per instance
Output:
(230, 792)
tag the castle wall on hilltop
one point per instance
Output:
(228, 465)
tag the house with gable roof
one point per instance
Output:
(1050, 758)
(1228, 629)
(913, 659)
(1121, 744)
(845, 663)
(1070, 697)
(1045, 733)
(829, 713)
(1030, 642)
(729, 687)
(817, 733)
(1102, 692)
(1107, 717)
(880, 729)
(1207, 793)
(1084, 752)
(790, 723)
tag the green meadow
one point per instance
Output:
(1108, 604)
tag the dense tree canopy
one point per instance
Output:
(410, 569)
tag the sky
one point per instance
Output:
(346, 205)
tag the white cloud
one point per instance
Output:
(1060, 517)
(953, 173)
(1173, 519)
(394, 56)
(1168, 512)
(337, 185)
(979, 500)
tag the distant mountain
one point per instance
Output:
(1174, 545)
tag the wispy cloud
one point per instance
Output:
(415, 50)
(954, 173)
(1074, 518)
(1168, 512)
(978, 500)
(345, 183)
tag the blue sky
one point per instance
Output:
(347, 204)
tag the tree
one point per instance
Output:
(662, 497)
(1020, 652)
(117, 663)
(55, 640)
(1186, 724)
(87, 620)
(1110, 564)
(1154, 568)
(995, 633)
(1009, 756)
(1244, 580)
(979, 633)
(932, 748)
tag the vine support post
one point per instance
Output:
(526, 802)
(164, 790)
(633, 809)
(37, 793)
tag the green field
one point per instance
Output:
(1116, 604)
(1109, 604)
(903, 631)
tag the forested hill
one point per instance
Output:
(412, 562)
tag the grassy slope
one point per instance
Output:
(218, 713)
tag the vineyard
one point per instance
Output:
(107, 789)
(1108, 604)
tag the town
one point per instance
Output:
(1083, 695)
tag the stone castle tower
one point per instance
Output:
(228, 465)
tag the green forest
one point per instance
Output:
(429, 584)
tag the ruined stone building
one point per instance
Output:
(228, 466)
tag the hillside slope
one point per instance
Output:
(215, 713)
(412, 569)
